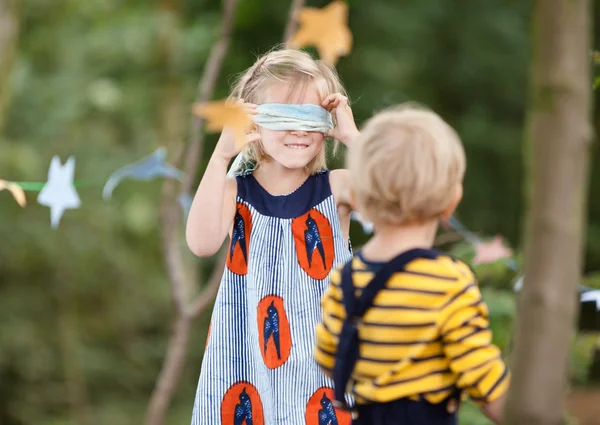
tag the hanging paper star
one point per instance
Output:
(591, 296)
(16, 190)
(220, 114)
(145, 169)
(326, 29)
(491, 251)
(59, 193)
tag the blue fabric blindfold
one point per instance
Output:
(288, 117)
(304, 117)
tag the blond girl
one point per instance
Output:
(281, 212)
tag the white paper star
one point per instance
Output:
(59, 193)
(592, 296)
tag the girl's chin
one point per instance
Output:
(293, 161)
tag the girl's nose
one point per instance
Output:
(299, 132)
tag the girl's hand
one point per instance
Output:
(227, 147)
(346, 130)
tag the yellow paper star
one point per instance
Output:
(326, 29)
(223, 113)
(17, 191)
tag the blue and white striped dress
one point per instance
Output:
(258, 367)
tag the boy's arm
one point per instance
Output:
(326, 340)
(467, 341)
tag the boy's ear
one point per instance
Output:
(457, 194)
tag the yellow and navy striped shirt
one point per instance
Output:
(426, 334)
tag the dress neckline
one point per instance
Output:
(266, 192)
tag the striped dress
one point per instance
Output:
(258, 367)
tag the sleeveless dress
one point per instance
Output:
(258, 366)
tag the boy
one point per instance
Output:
(404, 327)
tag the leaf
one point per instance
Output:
(597, 82)
(326, 29)
(223, 113)
(16, 190)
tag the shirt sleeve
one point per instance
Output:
(332, 309)
(467, 341)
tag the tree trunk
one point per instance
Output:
(9, 31)
(559, 132)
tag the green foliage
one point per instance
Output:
(470, 414)
(85, 310)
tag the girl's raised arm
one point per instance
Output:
(212, 211)
(211, 215)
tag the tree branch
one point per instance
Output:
(292, 22)
(171, 218)
(9, 32)
(206, 89)
(211, 288)
(170, 373)
(179, 275)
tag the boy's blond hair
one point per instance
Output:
(296, 68)
(405, 166)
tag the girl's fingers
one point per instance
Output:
(337, 97)
(250, 108)
(327, 101)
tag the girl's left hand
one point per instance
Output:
(345, 130)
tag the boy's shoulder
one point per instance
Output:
(426, 264)
(440, 264)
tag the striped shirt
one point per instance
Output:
(426, 334)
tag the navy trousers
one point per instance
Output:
(405, 412)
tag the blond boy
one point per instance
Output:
(405, 330)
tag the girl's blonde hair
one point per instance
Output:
(296, 68)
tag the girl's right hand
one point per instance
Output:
(227, 147)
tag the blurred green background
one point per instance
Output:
(85, 310)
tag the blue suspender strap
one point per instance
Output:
(347, 352)
(348, 346)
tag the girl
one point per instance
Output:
(286, 233)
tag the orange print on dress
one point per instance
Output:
(273, 331)
(313, 239)
(241, 405)
(237, 257)
(320, 410)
